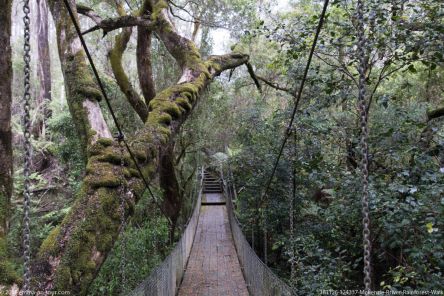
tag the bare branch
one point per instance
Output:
(275, 85)
(89, 12)
(108, 25)
(253, 76)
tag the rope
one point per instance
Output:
(362, 106)
(113, 115)
(28, 147)
(297, 96)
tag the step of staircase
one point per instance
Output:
(212, 185)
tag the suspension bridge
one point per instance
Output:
(213, 257)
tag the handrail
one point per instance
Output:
(261, 281)
(165, 279)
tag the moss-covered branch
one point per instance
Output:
(115, 58)
(111, 24)
(82, 91)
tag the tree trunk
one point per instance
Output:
(7, 275)
(115, 57)
(82, 92)
(43, 68)
(72, 254)
(144, 67)
(172, 203)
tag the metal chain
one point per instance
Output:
(27, 144)
(362, 106)
(122, 195)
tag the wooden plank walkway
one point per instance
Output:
(215, 198)
(213, 268)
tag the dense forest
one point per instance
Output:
(113, 165)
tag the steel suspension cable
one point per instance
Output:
(122, 195)
(291, 212)
(105, 96)
(28, 147)
(297, 96)
(362, 106)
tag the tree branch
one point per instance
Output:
(253, 76)
(275, 85)
(115, 57)
(433, 114)
(110, 24)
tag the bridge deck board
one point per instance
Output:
(213, 268)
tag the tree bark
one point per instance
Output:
(82, 92)
(144, 66)
(115, 57)
(7, 275)
(71, 256)
(172, 203)
(43, 68)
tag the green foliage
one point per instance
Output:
(66, 145)
(142, 246)
(406, 151)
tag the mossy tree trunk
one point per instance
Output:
(71, 256)
(7, 275)
(82, 92)
(115, 57)
(172, 202)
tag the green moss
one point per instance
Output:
(80, 86)
(162, 118)
(63, 277)
(50, 245)
(157, 9)
(129, 173)
(90, 239)
(184, 103)
(105, 242)
(105, 142)
(114, 156)
(80, 80)
(140, 154)
(101, 174)
(109, 201)
(166, 106)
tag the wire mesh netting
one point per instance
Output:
(165, 279)
(261, 281)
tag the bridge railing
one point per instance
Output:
(261, 281)
(165, 279)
